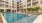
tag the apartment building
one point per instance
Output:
(31, 3)
(20, 6)
(8, 6)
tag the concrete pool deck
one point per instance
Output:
(38, 19)
(3, 19)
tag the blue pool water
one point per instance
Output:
(12, 17)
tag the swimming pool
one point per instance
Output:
(13, 17)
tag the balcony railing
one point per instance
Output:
(1, 3)
(34, 0)
(29, 2)
(35, 4)
(6, 6)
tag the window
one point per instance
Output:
(28, 5)
(17, 4)
(41, 1)
(12, 6)
(1, 5)
(15, 10)
(12, 10)
(6, 2)
(24, 5)
(0, 0)
(33, 0)
(6, 6)
(34, 4)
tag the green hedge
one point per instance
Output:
(33, 8)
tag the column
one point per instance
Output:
(4, 10)
(31, 3)
(26, 11)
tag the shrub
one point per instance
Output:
(34, 8)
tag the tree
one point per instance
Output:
(34, 9)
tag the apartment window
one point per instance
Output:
(41, 1)
(0, 0)
(17, 5)
(33, 0)
(6, 2)
(17, 2)
(8, 10)
(15, 10)
(34, 4)
(28, 5)
(12, 3)
(12, 6)
(6, 6)
(20, 6)
(1, 5)
(24, 5)
(28, 0)
(12, 10)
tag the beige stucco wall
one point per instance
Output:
(39, 4)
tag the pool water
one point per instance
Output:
(13, 17)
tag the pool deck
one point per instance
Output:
(38, 19)
(3, 19)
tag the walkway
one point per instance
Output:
(1, 19)
(38, 19)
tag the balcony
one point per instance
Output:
(6, 2)
(34, 1)
(12, 6)
(6, 6)
(20, 8)
(29, 2)
(35, 4)
(12, 3)
(28, 5)
(1, 3)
